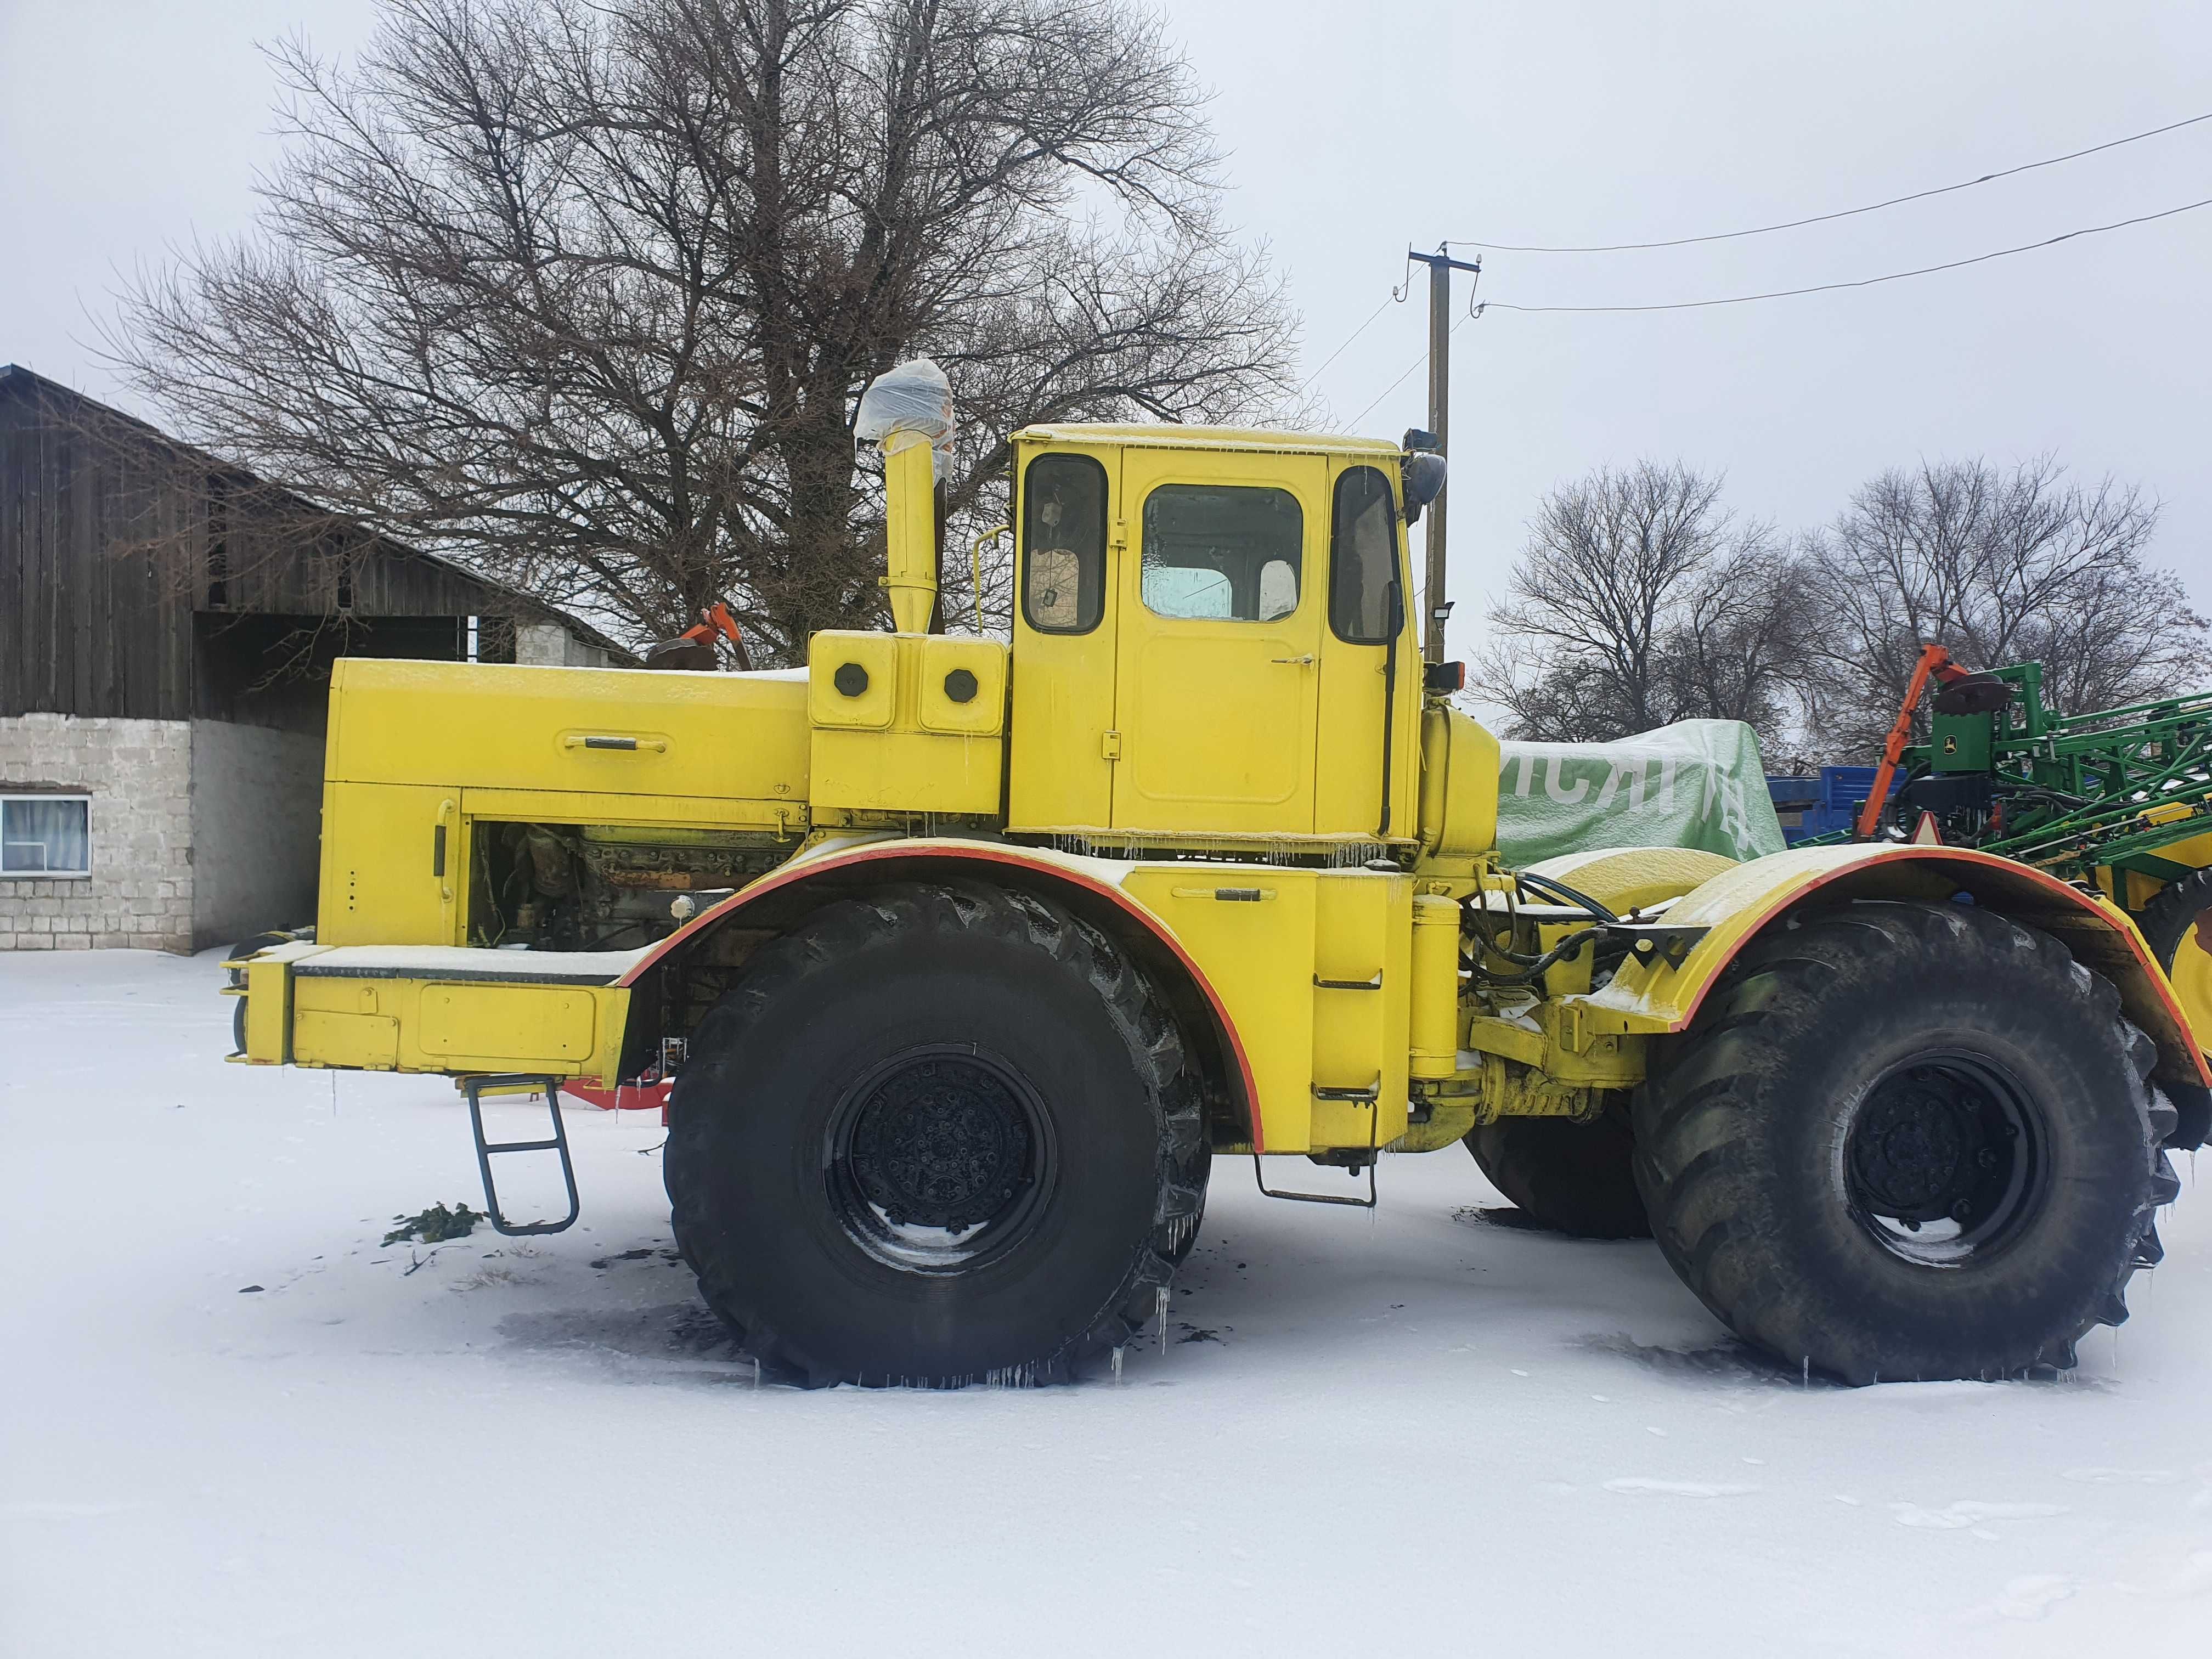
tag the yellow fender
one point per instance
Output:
(1086, 885)
(1739, 903)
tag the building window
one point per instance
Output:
(45, 836)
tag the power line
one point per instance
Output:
(1348, 339)
(1786, 292)
(1847, 213)
(1410, 368)
(1866, 282)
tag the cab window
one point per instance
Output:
(1223, 552)
(1362, 558)
(1064, 544)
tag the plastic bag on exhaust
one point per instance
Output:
(916, 398)
(1696, 783)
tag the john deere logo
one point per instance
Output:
(1950, 745)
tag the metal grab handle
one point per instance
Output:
(1305, 661)
(658, 745)
(975, 561)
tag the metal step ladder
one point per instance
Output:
(473, 1088)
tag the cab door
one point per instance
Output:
(1217, 676)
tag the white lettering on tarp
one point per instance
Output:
(1628, 768)
(1551, 784)
(1706, 791)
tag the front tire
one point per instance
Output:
(1906, 1141)
(937, 1135)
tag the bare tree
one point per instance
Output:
(584, 293)
(2000, 565)
(1639, 600)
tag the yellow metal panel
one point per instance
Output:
(345, 1023)
(380, 885)
(456, 1027)
(1216, 718)
(1459, 785)
(499, 726)
(873, 753)
(554, 1022)
(1623, 877)
(907, 772)
(1734, 905)
(1362, 938)
(1063, 703)
(876, 657)
(268, 1013)
(560, 1030)
(2196, 851)
(1258, 954)
(940, 660)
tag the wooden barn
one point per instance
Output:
(167, 624)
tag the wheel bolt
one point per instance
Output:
(1961, 1211)
(1986, 1158)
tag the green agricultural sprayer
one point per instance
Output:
(2120, 798)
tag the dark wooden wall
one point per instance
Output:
(94, 621)
(81, 633)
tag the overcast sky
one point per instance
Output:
(129, 125)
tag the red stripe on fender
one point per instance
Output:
(880, 851)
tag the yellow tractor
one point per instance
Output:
(967, 958)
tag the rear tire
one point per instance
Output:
(937, 1135)
(1906, 1141)
(1574, 1178)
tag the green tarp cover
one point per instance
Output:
(1697, 783)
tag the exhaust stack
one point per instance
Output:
(907, 412)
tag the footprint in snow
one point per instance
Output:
(1677, 1488)
(2032, 1597)
(1968, 1513)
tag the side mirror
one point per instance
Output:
(1422, 475)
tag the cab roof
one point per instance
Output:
(1170, 435)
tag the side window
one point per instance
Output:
(1229, 552)
(1362, 558)
(1064, 544)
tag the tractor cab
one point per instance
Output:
(1212, 640)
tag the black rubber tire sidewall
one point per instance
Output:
(1790, 1266)
(772, 1255)
(1574, 1178)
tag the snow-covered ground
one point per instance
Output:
(1415, 1431)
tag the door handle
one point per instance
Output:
(1305, 661)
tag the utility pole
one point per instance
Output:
(1441, 265)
